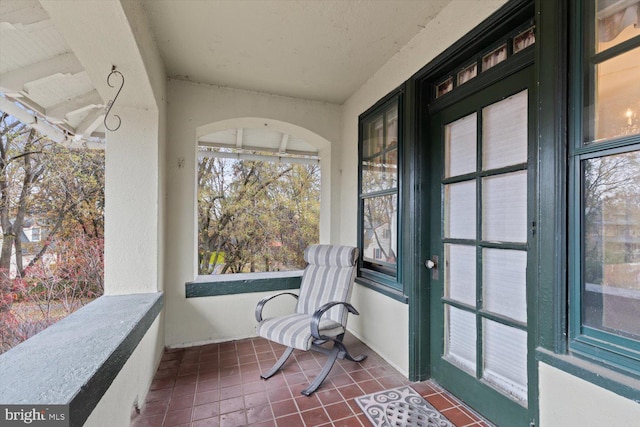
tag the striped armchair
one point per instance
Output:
(321, 312)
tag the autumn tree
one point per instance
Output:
(256, 216)
(611, 202)
(59, 186)
(63, 190)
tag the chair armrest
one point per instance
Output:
(264, 300)
(315, 319)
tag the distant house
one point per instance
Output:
(32, 236)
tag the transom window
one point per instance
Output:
(504, 49)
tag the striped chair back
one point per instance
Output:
(328, 277)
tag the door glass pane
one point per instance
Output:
(460, 273)
(504, 132)
(461, 338)
(505, 358)
(460, 210)
(504, 274)
(380, 172)
(380, 229)
(611, 284)
(504, 207)
(460, 146)
(617, 97)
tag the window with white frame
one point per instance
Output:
(258, 209)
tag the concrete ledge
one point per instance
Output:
(74, 361)
(227, 284)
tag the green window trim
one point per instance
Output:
(383, 289)
(556, 118)
(607, 348)
(374, 273)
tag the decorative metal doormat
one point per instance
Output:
(401, 406)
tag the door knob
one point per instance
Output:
(430, 264)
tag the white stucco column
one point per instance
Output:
(103, 34)
(132, 204)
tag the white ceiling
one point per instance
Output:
(41, 81)
(311, 49)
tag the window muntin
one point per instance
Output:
(605, 189)
(379, 172)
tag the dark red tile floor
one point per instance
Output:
(220, 385)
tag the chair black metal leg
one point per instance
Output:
(346, 355)
(275, 368)
(331, 359)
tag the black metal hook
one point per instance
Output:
(110, 103)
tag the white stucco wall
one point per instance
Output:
(132, 383)
(225, 317)
(132, 195)
(194, 110)
(566, 400)
(383, 322)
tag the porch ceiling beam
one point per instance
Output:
(283, 143)
(103, 34)
(239, 137)
(260, 157)
(13, 82)
(27, 118)
(24, 12)
(60, 110)
(39, 111)
(259, 149)
(28, 103)
(90, 123)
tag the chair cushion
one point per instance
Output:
(294, 330)
(331, 255)
(327, 278)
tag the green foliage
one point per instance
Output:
(260, 215)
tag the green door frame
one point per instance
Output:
(494, 405)
(416, 199)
